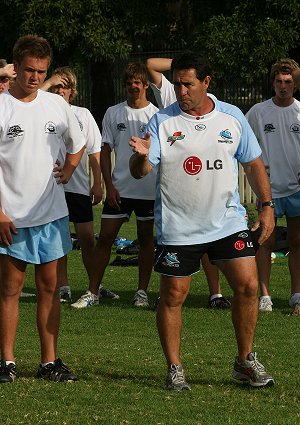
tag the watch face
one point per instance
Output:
(269, 204)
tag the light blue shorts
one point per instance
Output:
(40, 244)
(288, 206)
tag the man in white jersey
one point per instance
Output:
(34, 215)
(276, 124)
(196, 144)
(82, 192)
(124, 194)
(165, 95)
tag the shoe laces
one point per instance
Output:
(255, 363)
(176, 374)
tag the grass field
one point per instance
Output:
(115, 351)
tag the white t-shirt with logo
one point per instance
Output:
(278, 132)
(120, 122)
(80, 180)
(197, 198)
(31, 134)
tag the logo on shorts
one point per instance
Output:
(171, 260)
(243, 235)
(176, 136)
(50, 127)
(239, 245)
(192, 165)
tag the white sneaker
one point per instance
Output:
(86, 300)
(140, 299)
(265, 304)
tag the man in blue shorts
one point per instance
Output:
(196, 144)
(33, 211)
(276, 124)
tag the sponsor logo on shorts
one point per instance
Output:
(239, 245)
(176, 136)
(243, 235)
(50, 127)
(171, 260)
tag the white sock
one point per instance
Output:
(213, 297)
(8, 362)
(265, 297)
(45, 364)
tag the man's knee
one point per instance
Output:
(247, 287)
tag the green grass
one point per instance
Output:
(115, 351)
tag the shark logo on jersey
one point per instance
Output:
(226, 137)
(15, 131)
(142, 128)
(295, 128)
(121, 126)
(171, 260)
(269, 128)
(50, 127)
(176, 136)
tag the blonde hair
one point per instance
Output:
(66, 72)
(283, 66)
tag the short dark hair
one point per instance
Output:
(31, 45)
(136, 70)
(283, 66)
(192, 60)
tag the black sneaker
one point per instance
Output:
(56, 372)
(221, 303)
(8, 372)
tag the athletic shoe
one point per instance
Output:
(296, 308)
(26, 295)
(265, 304)
(86, 300)
(56, 371)
(8, 372)
(176, 380)
(65, 295)
(252, 371)
(106, 293)
(220, 303)
(140, 299)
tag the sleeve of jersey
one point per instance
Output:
(164, 96)
(92, 134)
(153, 128)
(248, 149)
(73, 138)
(107, 134)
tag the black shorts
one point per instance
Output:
(80, 207)
(143, 209)
(184, 260)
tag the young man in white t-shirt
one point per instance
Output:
(33, 211)
(82, 191)
(196, 144)
(124, 194)
(276, 124)
(165, 95)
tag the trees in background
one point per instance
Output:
(242, 38)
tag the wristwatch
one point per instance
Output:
(268, 204)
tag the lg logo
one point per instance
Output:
(193, 165)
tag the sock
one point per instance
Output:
(64, 288)
(45, 364)
(8, 362)
(213, 297)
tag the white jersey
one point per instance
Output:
(30, 137)
(278, 132)
(197, 199)
(120, 122)
(80, 180)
